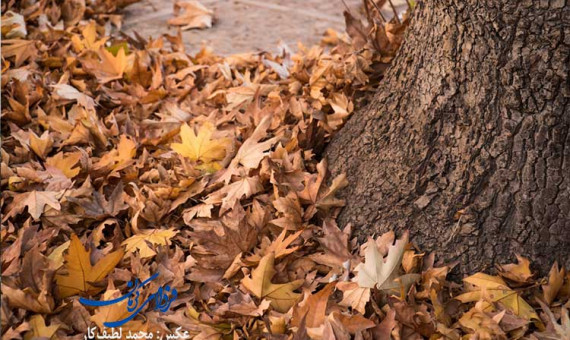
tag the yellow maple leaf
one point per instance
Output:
(201, 147)
(354, 296)
(494, 289)
(39, 329)
(65, 163)
(89, 41)
(80, 275)
(519, 272)
(41, 145)
(115, 312)
(21, 49)
(259, 284)
(140, 242)
(35, 201)
(109, 68)
(120, 157)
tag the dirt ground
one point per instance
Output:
(248, 25)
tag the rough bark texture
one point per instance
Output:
(466, 142)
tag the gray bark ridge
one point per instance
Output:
(466, 142)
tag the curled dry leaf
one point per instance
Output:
(194, 15)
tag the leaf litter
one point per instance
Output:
(124, 156)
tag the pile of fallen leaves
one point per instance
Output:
(124, 157)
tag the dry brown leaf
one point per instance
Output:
(194, 15)
(78, 275)
(259, 284)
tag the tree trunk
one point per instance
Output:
(466, 142)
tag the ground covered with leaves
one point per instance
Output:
(124, 157)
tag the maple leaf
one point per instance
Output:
(66, 163)
(555, 281)
(28, 300)
(39, 328)
(519, 273)
(89, 41)
(195, 15)
(79, 275)
(21, 49)
(201, 147)
(69, 92)
(313, 308)
(259, 284)
(291, 211)
(494, 289)
(121, 157)
(335, 245)
(41, 145)
(219, 243)
(354, 296)
(555, 330)
(252, 151)
(482, 326)
(318, 194)
(96, 205)
(230, 194)
(115, 312)
(243, 304)
(278, 246)
(109, 67)
(35, 201)
(381, 273)
(153, 236)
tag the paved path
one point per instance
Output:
(246, 25)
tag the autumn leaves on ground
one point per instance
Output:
(123, 157)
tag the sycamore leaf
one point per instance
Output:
(89, 41)
(201, 147)
(556, 330)
(35, 201)
(21, 49)
(483, 326)
(115, 312)
(39, 328)
(230, 194)
(69, 92)
(120, 157)
(195, 15)
(41, 145)
(494, 289)
(555, 281)
(313, 308)
(259, 284)
(280, 244)
(354, 296)
(252, 151)
(80, 275)
(66, 163)
(377, 271)
(519, 272)
(109, 67)
(153, 236)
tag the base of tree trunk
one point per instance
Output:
(466, 142)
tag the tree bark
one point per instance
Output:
(466, 143)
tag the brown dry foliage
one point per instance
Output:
(123, 157)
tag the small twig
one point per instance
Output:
(395, 12)
(346, 6)
(378, 10)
